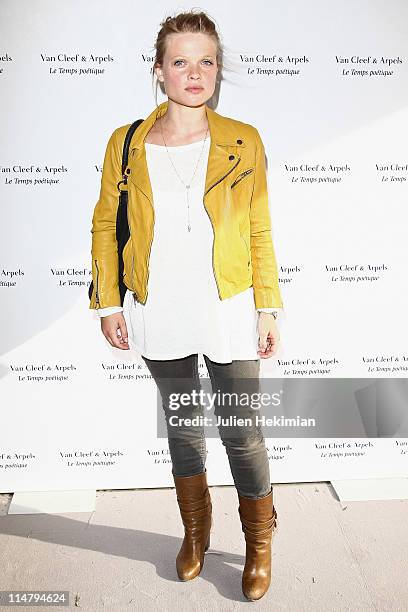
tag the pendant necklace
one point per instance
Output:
(186, 185)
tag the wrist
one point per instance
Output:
(273, 314)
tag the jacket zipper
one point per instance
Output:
(148, 259)
(133, 266)
(131, 241)
(134, 292)
(97, 285)
(212, 225)
(133, 253)
(223, 177)
(241, 176)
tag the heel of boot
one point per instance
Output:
(207, 546)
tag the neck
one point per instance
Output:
(184, 120)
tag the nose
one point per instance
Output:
(195, 73)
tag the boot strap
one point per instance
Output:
(258, 526)
(195, 519)
(196, 508)
(257, 529)
(196, 502)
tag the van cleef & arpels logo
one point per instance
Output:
(273, 65)
(309, 366)
(8, 278)
(392, 173)
(43, 372)
(16, 461)
(91, 458)
(71, 277)
(368, 65)
(356, 273)
(33, 175)
(317, 173)
(76, 64)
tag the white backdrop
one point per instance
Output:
(326, 84)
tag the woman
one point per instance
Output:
(201, 276)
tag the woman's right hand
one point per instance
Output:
(115, 331)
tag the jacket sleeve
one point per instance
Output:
(264, 268)
(105, 268)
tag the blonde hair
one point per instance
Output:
(190, 21)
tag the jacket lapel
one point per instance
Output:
(223, 145)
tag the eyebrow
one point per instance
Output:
(205, 55)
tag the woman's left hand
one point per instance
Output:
(268, 335)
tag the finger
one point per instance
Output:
(262, 342)
(117, 343)
(270, 349)
(123, 332)
(113, 338)
(266, 355)
(108, 339)
(109, 330)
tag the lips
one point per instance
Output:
(194, 88)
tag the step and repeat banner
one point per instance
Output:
(326, 85)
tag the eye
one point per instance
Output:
(210, 62)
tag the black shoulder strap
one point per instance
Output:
(128, 138)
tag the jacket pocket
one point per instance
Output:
(247, 251)
(241, 176)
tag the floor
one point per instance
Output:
(327, 556)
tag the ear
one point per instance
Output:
(159, 73)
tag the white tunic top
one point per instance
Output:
(183, 313)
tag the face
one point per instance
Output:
(189, 68)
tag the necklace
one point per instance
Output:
(186, 185)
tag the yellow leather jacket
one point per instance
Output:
(236, 201)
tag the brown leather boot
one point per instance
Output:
(258, 518)
(194, 501)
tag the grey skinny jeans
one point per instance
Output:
(245, 446)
